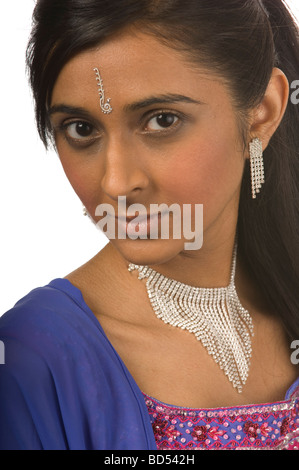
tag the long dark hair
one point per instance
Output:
(242, 40)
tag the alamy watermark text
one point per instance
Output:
(295, 354)
(295, 94)
(2, 353)
(161, 222)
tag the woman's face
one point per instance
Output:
(172, 138)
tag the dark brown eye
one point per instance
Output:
(79, 130)
(162, 121)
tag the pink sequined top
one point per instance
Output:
(266, 427)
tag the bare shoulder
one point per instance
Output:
(105, 283)
(88, 274)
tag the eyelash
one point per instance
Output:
(152, 115)
(89, 140)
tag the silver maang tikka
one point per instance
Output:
(105, 106)
(214, 315)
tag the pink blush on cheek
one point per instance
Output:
(191, 177)
(207, 174)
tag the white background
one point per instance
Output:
(44, 234)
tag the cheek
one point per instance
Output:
(205, 173)
(81, 177)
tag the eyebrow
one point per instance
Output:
(161, 99)
(66, 109)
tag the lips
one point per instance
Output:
(137, 225)
(132, 217)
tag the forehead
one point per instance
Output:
(132, 65)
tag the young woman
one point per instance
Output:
(165, 341)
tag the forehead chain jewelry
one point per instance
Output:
(105, 107)
(214, 315)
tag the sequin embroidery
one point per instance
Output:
(265, 427)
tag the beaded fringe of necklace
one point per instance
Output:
(214, 315)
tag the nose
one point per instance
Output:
(124, 172)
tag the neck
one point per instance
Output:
(209, 267)
(215, 316)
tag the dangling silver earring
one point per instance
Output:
(257, 166)
(85, 213)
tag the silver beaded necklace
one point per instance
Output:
(214, 315)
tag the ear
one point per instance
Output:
(268, 114)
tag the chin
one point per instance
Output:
(148, 252)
